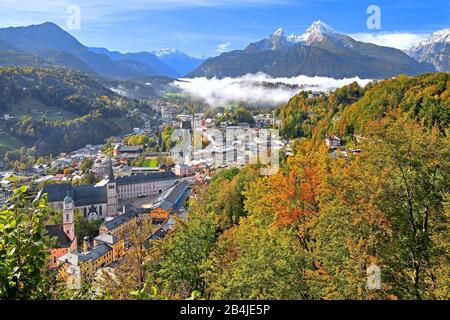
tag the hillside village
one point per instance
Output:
(124, 195)
(310, 166)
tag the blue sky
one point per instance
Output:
(207, 27)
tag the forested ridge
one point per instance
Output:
(348, 109)
(42, 93)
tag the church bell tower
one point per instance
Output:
(68, 217)
(111, 192)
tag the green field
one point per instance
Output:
(150, 163)
(15, 178)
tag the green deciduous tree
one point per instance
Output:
(24, 249)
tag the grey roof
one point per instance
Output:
(111, 224)
(186, 124)
(73, 258)
(57, 192)
(158, 234)
(130, 148)
(82, 194)
(57, 231)
(145, 178)
(107, 238)
(89, 194)
(174, 197)
(98, 251)
(95, 253)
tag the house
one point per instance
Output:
(129, 152)
(169, 202)
(181, 170)
(76, 265)
(333, 142)
(119, 226)
(114, 242)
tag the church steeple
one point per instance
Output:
(68, 217)
(110, 170)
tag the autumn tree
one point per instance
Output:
(179, 261)
(131, 272)
(254, 261)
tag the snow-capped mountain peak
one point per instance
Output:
(178, 60)
(165, 52)
(317, 31)
(441, 36)
(279, 33)
(434, 50)
(277, 40)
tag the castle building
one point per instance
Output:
(64, 234)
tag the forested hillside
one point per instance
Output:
(59, 109)
(347, 110)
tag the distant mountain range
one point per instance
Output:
(48, 45)
(178, 60)
(435, 50)
(145, 63)
(320, 51)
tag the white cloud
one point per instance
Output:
(249, 88)
(399, 40)
(223, 47)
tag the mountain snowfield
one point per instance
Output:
(434, 50)
(315, 33)
(318, 31)
(178, 60)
